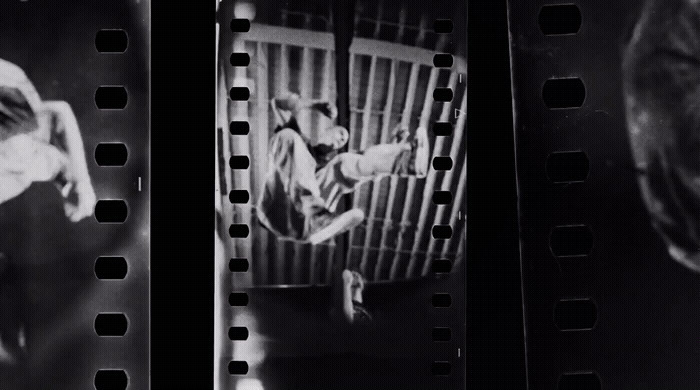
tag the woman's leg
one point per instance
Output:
(377, 160)
(405, 159)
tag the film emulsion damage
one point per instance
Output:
(74, 146)
(340, 194)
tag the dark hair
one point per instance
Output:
(16, 115)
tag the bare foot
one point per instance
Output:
(339, 225)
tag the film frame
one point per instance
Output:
(234, 229)
(82, 280)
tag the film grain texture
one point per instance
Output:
(340, 193)
(74, 194)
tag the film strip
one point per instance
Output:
(592, 89)
(565, 106)
(372, 97)
(74, 150)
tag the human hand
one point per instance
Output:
(87, 199)
(327, 108)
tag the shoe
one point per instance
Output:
(415, 159)
(328, 226)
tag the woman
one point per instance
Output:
(44, 184)
(305, 182)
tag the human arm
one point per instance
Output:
(77, 174)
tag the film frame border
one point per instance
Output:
(440, 300)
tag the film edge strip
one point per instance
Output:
(442, 198)
(111, 211)
(239, 59)
(580, 313)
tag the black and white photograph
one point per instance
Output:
(340, 194)
(607, 130)
(74, 194)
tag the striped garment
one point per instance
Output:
(661, 71)
(298, 198)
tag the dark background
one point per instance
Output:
(53, 42)
(496, 354)
(648, 305)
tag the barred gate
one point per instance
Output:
(391, 83)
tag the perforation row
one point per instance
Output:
(568, 167)
(111, 211)
(441, 300)
(242, 162)
(239, 299)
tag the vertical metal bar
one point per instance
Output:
(260, 157)
(280, 259)
(279, 248)
(323, 124)
(342, 24)
(376, 184)
(386, 124)
(352, 122)
(332, 249)
(284, 63)
(408, 205)
(364, 136)
(326, 86)
(405, 123)
(430, 180)
(367, 111)
(446, 181)
(313, 271)
(305, 84)
(305, 91)
(393, 182)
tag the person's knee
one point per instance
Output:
(351, 165)
(288, 135)
(356, 215)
